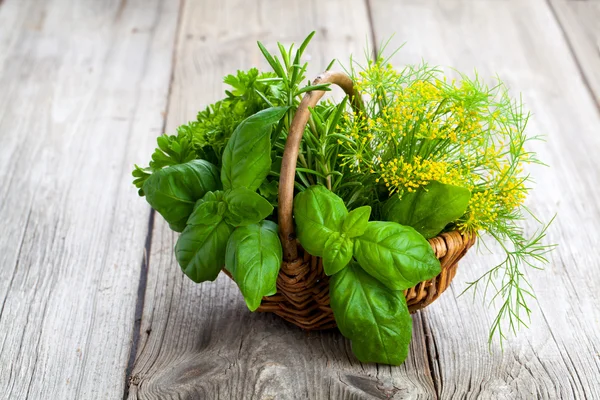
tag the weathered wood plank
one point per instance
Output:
(200, 341)
(580, 22)
(521, 41)
(83, 87)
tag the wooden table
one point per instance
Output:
(92, 302)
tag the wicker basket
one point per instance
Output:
(302, 296)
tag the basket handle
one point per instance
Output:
(290, 156)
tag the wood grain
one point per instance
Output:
(83, 87)
(521, 41)
(86, 88)
(580, 22)
(200, 341)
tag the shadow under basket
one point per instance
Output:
(302, 296)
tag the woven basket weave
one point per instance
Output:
(302, 296)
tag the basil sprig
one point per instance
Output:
(173, 191)
(370, 264)
(217, 211)
(394, 254)
(200, 249)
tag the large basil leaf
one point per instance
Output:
(245, 207)
(247, 156)
(200, 250)
(396, 255)
(337, 253)
(356, 221)
(318, 214)
(173, 191)
(428, 209)
(373, 317)
(254, 257)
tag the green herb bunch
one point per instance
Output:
(417, 130)
(417, 157)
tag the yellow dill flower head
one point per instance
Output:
(416, 127)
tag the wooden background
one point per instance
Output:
(92, 302)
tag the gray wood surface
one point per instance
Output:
(83, 86)
(84, 313)
(580, 23)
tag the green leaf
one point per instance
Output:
(396, 255)
(172, 150)
(245, 207)
(247, 156)
(428, 209)
(337, 253)
(140, 175)
(284, 55)
(330, 65)
(318, 214)
(208, 210)
(356, 221)
(322, 86)
(200, 249)
(173, 191)
(296, 73)
(339, 110)
(375, 318)
(253, 258)
(273, 62)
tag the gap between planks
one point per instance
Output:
(139, 304)
(145, 263)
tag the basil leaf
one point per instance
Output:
(356, 221)
(318, 214)
(428, 209)
(375, 318)
(245, 207)
(247, 156)
(337, 253)
(253, 258)
(208, 210)
(200, 250)
(173, 191)
(396, 255)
